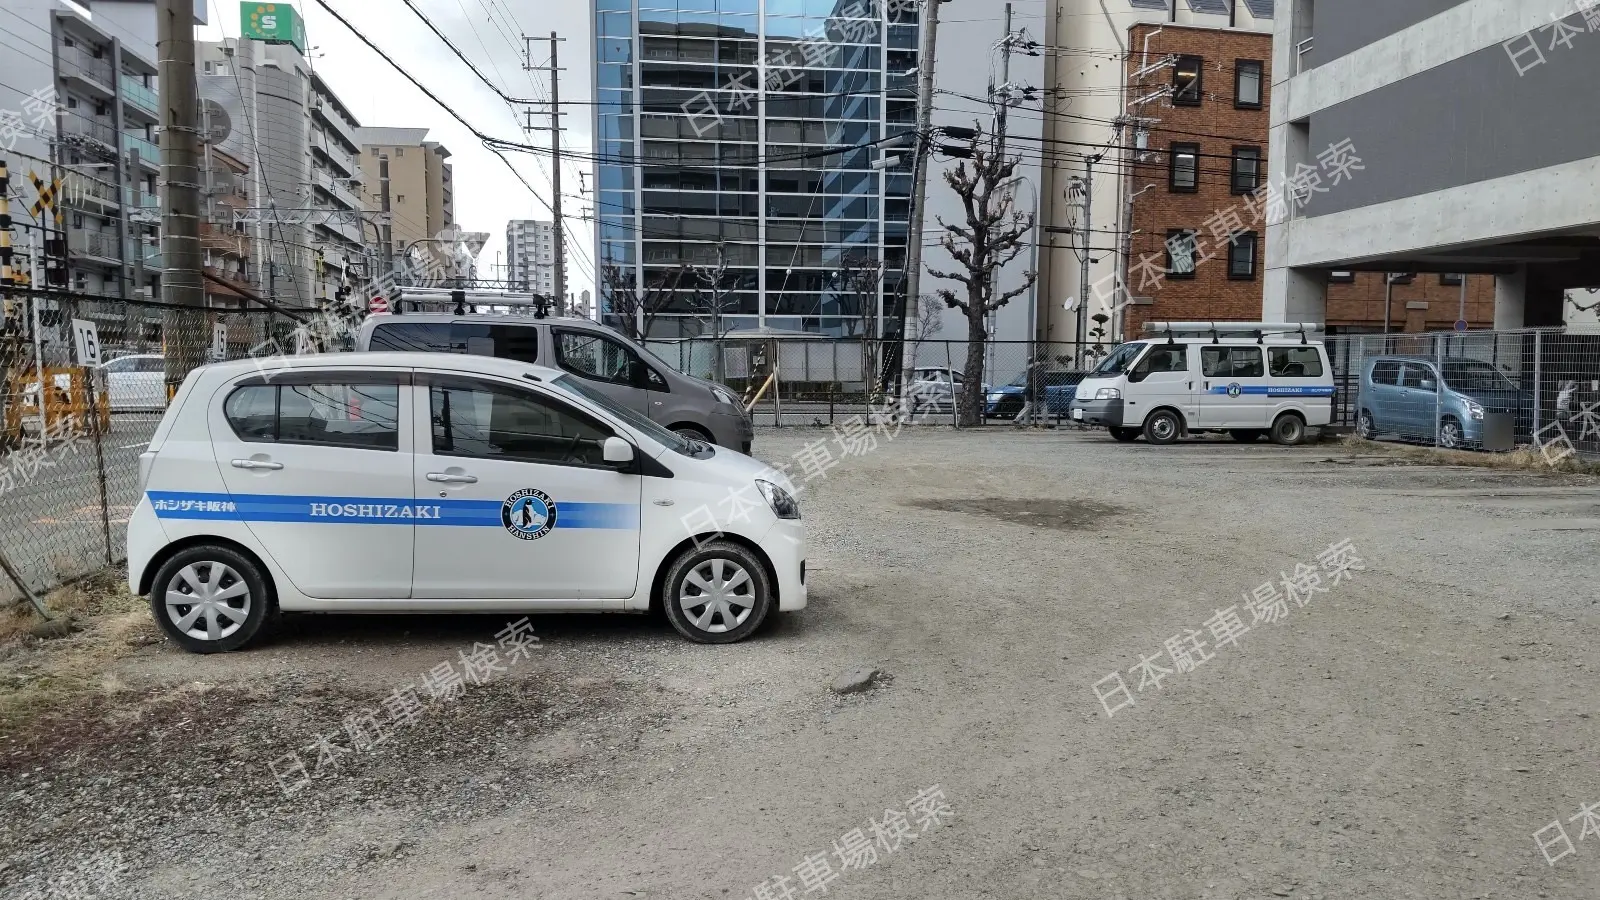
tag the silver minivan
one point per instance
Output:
(624, 371)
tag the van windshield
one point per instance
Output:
(1119, 360)
(638, 421)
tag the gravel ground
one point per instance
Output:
(1403, 735)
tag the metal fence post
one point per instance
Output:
(1538, 380)
(1438, 383)
(955, 396)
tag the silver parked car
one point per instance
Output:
(136, 381)
(615, 366)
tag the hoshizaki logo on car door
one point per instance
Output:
(528, 514)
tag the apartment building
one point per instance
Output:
(1092, 111)
(1197, 209)
(227, 248)
(309, 221)
(81, 104)
(531, 256)
(421, 188)
(1507, 193)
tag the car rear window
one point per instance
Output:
(334, 414)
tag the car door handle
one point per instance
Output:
(256, 464)
(446, 478)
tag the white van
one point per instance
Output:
(425, 482)
(1246, 379)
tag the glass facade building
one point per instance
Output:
(741, 136)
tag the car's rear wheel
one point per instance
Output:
(1288, 430)
(211, 599)
(1125, 435)
(1246, 435)
(1366, 429)
(1162, 427)
(717, 593)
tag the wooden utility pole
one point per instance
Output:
(919, 182)
(182, 284)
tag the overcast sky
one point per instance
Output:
(490, 33)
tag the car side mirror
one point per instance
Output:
(1428, 384)
(617, 451)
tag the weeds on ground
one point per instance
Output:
(39, 677)
(1524, 458)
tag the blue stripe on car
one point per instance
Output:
(375, 510)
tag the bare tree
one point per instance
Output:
(635, 312)
(712, 300)
(929, 322)
(992, 236)
(860, 279)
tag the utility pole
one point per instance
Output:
(181, 284)
(385, 229)
(1088, 247)
(560, 234)
(919, 181)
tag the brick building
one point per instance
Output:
(1199, 105)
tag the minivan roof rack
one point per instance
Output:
(1218, 330)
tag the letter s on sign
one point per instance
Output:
(269, 21)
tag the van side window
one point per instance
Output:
(484, 422)
(1294, 362)
(1162, 358)
(1231, 362)
(597, 357)
(425, 337)
(333, 414)
(1385, 373)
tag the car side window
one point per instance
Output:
(1294, 362)
(151, 364)
(597, 357)
(1413, 376)
(487, 422)
(125, 364)
(1385, 373)
(1232, 362)
(332, 413)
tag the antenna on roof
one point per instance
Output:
(1303, 340)
(1214, 338)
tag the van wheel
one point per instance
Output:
(210, 599)
(691, 433)
(1288, 430)
(716, 594)
(1125, 435)
(1365, 428)
(1450, 433)
(1163, 427)
(1246, 435)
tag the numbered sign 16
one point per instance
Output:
(85, 335)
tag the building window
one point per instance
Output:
(1449, 280)
(1183, 174)
(1402, 277)
(1182, 247)
(1247, 84)
(399, 151)
(1339, 277)
(1186, 81)
(400, 198)
(1246, 170)
(1242, 257)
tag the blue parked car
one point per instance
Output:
(1006, 400)
(1401, 395)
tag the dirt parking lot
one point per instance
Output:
(1404, 734)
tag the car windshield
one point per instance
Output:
(1475, 376)
(658, 434)
(1119, 360)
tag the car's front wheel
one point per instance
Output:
(211, 599)
(717, 593)
(1450, 434)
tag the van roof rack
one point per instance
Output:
(1218, 330)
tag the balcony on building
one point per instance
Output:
(95, 134)
(84, 59)
(88, 190)
(97, 247)
(139, 102)
(149, 153)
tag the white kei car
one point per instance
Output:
(424, 482)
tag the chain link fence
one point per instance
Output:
(70, 435)
(823, 381)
